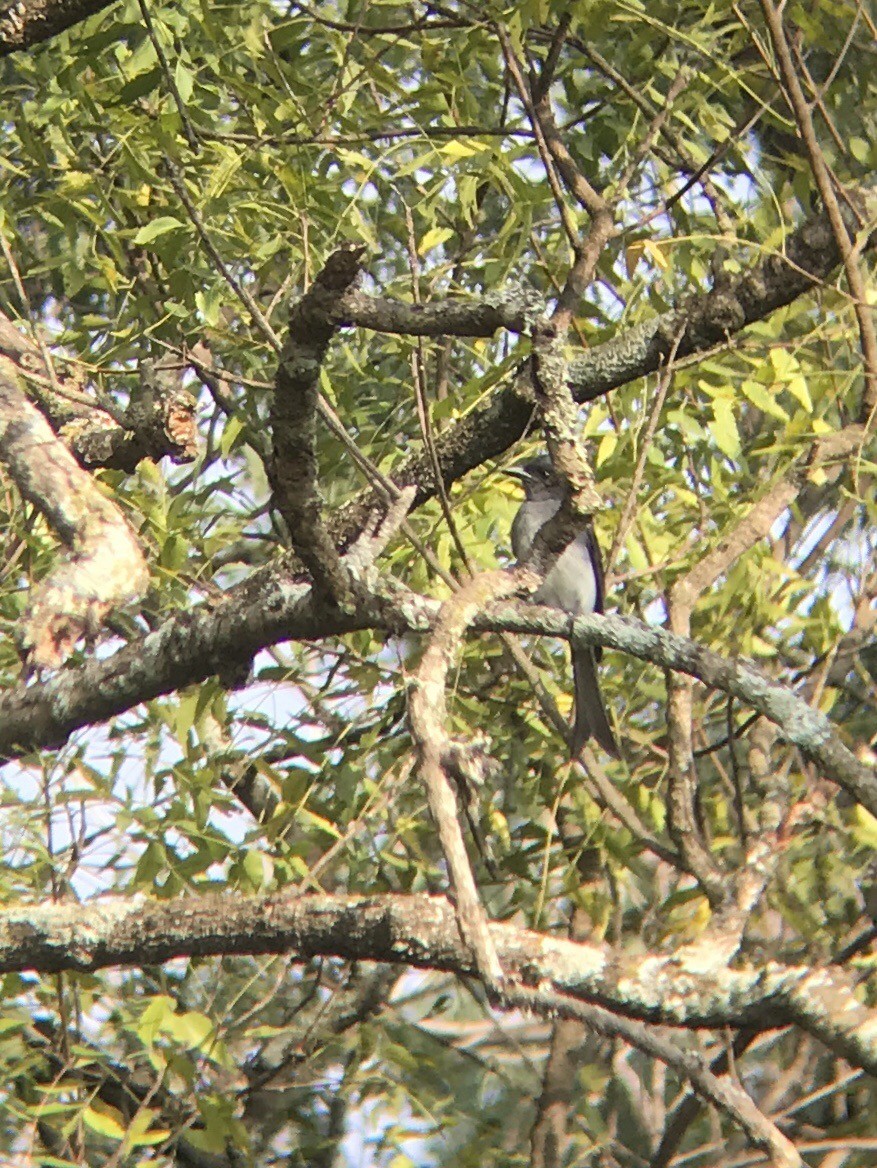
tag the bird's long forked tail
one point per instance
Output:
(591, 720)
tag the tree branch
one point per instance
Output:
(192, 646)
(724, 1094)
(476, 317)
(428, 713)
(673, 989)
(842, 232)
(809, 257)
(294, 410)
(160, 422)
(105, 566)
(28, 22)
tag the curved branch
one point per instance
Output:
(104, 567)
(294, 409)
(809, 257)
(673, 989)
(192, 646)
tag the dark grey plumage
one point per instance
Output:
(575, 585)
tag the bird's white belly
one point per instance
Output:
(570, 584)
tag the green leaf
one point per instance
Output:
(320, 822)
(211, 1142)
(258, 868)
(230, 161)
(208, 304)
(433, 238)
(154, 1017)
(763, 399)
(185, 81)
(608, 443)
(724, 428)
(141, 1134)
(797, 387)
(861, 150)
(139, 86)
(160, 226)
(231, 432)
(105, 1120)
(190, 1029)
(458, 148)
(864, 828)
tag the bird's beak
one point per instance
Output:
(517, 472)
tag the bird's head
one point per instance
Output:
(538, 478)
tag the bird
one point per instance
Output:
(574, 584)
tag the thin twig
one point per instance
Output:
(801, 110)
(727, 1096)
(665, 380)
(170, 80)
(423, 414)
(514, 68)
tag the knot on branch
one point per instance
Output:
(341, 269)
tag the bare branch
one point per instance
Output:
(377, 533)
(674, 989)
(428, 715)
(475, 317)
(105, 566)
(294, 411)
(558, 161)
(844, 235)
(682, 786)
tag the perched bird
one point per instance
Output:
(574, 584)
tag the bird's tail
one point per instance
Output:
(590, 713)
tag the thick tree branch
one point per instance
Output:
(809, 257)
(104, 567)
(478, 317)
(673, 989)
(192, 646)
(160, 421)
(28, 22)
(294, 410)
